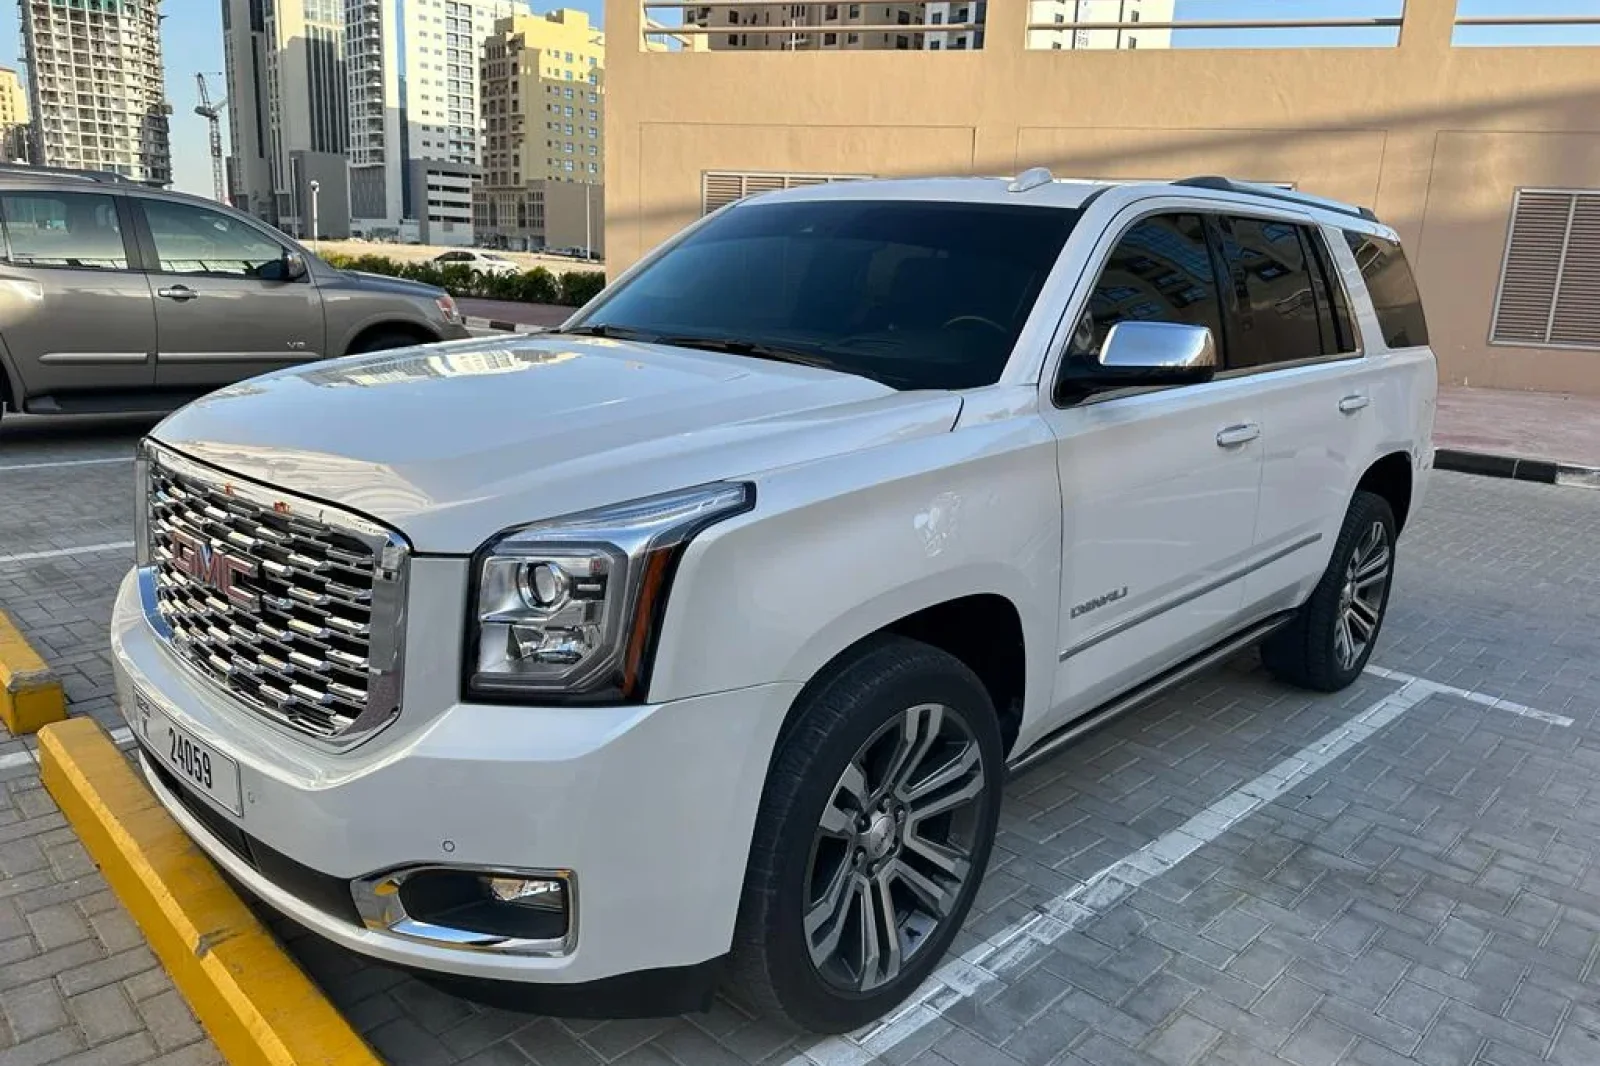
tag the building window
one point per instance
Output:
(902, 42)
(829, 40)
(1549, 292)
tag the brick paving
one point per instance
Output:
(1524, 425)
(1431, 897)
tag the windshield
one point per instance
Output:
(917, 295)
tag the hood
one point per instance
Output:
(453, 443)
(385, 283)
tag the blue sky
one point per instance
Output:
(192, 41)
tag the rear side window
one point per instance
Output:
(1278, 317)
(1393, 289)
(1160, 271)
(64, 230)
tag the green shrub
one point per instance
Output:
(578, 287)
(536, 286)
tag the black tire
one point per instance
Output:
(383, 340)
(1308, 652)
(858, 702)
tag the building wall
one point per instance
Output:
(543, 81)
(13, 117)
(1436, 138)
(97, 88)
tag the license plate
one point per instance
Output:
(195, 763)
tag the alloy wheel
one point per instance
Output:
(894, 847)
(1362, 596)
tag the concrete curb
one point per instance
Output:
(504, 327)
(30, 692)
(1541, 471)
(256, 1004)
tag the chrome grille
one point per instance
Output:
(291, 607)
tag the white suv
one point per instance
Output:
(691, 643)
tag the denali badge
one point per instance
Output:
(1099, 601)
(214, 568)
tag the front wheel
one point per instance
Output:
(1331, 637)
(875, 827)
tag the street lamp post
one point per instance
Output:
(316, 186)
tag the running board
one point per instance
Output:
(1137, 697)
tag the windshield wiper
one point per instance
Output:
(754, 349)
(600, 329)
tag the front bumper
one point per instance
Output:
(651, 806)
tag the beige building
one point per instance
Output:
(13, 117)
(1487, 159)
(543, 82)
(96, 87)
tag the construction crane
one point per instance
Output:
(212, 113)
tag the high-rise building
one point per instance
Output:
(815, 26)
(543, 81)
(288, 123)
(96, 86)
(827, 26)
(1074, 11)
(13, 117)
(413, 107)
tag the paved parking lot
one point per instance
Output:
(1240, 873)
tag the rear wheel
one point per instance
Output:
(1328, 643)
(874, 831)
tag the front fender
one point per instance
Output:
(838, 549)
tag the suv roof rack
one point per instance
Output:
(102, 176)
(1271, 192)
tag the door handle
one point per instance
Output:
(177, 292)
(1234, 436)
(1351, 404)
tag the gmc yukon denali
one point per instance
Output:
(689, 645)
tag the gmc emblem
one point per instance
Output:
(214, 568)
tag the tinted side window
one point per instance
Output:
(1393, 289)
(1277, 318)
(1344, 337)
(1160, 271)
(195, 240)
(51, 229)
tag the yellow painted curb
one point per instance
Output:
(258, 1006)
(30, 695)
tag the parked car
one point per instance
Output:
(477, 261)
(120, 297)
(691, 643)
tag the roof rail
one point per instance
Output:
(1270, 192)
(101, 176)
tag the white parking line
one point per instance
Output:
(984, 964)
(62, 553)
(65, 462)
(1477, 697)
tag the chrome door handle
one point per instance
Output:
(1234, 436)
(177, 292)
(1351, 404)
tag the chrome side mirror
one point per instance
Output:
(294, 266)
(1160, 348)
(1141, 355)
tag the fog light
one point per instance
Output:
(526, 892)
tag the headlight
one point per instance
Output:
(571, 606)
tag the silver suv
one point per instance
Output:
(119, 297)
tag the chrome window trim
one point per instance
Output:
(377, 900)
(386, 638)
